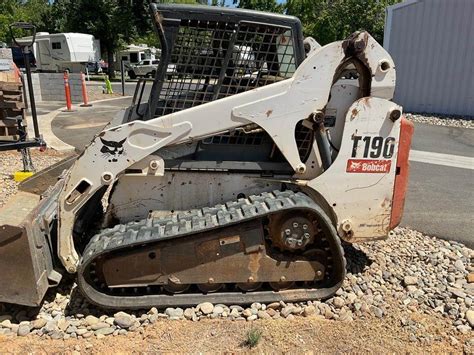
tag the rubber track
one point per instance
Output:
(152, 230)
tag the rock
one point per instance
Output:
(5, 331)
(6, 323)
(346, 317)
(104, 331)
(287, 311)
(470, 278)
(218, 310)
(63, 324)
(125, 320)
(5, 317)
(50, 326)
(87, 335)
(378, 312)
(470, 317)
(351, 298)
(71, 329)
(188, 313)
(457, 292)
(38, 323)
(252, 317)
(100, 325)
(56, 335)
(309, 311)
(290, 317)
(134, 326)
(234, 313)
(274, 305)
(338, 302)
(91, 320)
(81, 331)
(464, 329)
(23, 330)
(206, 307)
(459, 265)
(410, 280)
(247, 313)
(271, 312)
(256, 306)
(263, 315)
(173, 313)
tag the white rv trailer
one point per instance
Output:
(57, 52)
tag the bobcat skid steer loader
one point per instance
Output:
(236, 180)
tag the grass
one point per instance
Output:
(253, 337)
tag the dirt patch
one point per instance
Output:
(301, 334)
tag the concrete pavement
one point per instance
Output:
(78, 128)
(440, 199)
(46, 112)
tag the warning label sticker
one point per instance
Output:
(368, 166)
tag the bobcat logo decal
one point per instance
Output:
(355, 165)
(112, 150)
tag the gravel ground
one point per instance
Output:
(440, 120)
(396, 283)
(11, 161)
(414, 285)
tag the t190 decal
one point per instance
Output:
(374, 147)
(373, 155)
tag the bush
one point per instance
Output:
(253, 337)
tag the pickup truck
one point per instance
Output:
(147, 68)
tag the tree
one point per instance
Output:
(59, 14)
(261, 5)
(33, 11)
(332, 20)
(108, 20)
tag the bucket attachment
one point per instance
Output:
(26, 263)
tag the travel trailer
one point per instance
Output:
(58, 52)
